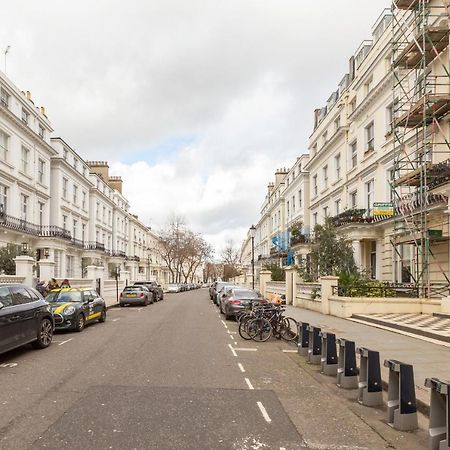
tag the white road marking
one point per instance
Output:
(115, 320)
(65, 342)
(223, 323)
(289, 351)
(241, 367)
(282, 448)
(8, 365)
(264, 412)
(249, 384)
(232, 350)
(231, 337)
(247, 349)
(231, 332)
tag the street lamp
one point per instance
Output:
(252, 235)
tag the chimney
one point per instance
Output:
(279, 175)
(100, 168)
(43, 111)
(28, 94)
(116, 183)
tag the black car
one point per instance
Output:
(25, 317)
(154, 288)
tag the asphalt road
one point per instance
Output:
(175, 375)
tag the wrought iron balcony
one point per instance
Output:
(134, 258)
(300, 239)
(351, 216)
(94, 246)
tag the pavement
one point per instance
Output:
(176, 375)
(429, 357)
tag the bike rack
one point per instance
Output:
(329, 360)
(401, 406)
(347, 371)
(315, 347)
(439, 428)
(303, 338)
(370, 387)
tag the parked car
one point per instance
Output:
(25, 317)
(172, 287)
(236, 299)
(218, 285)
(212, 289)
(153, 287)
(74, 308)
(136, 295)
(223, 292)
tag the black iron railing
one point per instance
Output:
(94, 246)
(380, 289)
(301, 239)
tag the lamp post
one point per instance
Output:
(252, 235)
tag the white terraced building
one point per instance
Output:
(65, 212)
(378, 156)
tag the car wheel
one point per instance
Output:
(228, 317)
(44, 334)
(80, 323)
(103, 316)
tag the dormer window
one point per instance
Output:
(25, 116)
(41, 131)
(4, 98)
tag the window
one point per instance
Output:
(109, 217)
(65, 153)
(25, 159)
(41, 131)
(83, 200)
(41, 207)
(4, 141)
(369, 188)
(300, 198)
(20, 295)
(353, 199)
(74, 229)
(293, 204)
(4, 98)
(353, 154)
(65, 222)
(324, 138)
(337, 165)
(314, 150)
(83, 232)
(288, 209)
(75, 194)
(23, 206)
(368, 86)
(337, 123)
(315, 219)
(5, 296)
(353, 105)
(75, 163)
(104, 214)
(3, 199)
(325, 177)
(370, 139)
(337, 206)
(389, 119)
(325, 211)
(65, 181)
(41, 171)
(25, 116)
(315, 186)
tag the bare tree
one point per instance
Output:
(230, 260)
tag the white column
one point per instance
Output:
(24, 268)
(379, 252)
(356, 244)
(46, 269)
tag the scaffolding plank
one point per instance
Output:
(436, 41)
(407, 4)
(412, 178)
(424, 110)
(417, 237)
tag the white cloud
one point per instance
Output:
(241, 77)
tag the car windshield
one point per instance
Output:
(63, 296)
(133, 288)
(245, 294)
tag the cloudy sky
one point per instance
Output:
(194, 103)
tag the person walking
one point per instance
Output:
(52, 284)
(65, 283)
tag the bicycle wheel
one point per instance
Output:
(288, 329)
(259, 329)
(243, 327)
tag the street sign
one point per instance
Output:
(383, 209)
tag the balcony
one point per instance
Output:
(14, 223)
(435, 175)
(351, 216)
(300, 239)
(94, 246)
(133, 258)
(117, 253)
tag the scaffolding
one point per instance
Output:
(421, 99)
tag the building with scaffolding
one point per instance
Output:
(378, 161)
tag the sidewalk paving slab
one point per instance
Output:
(428, 359)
